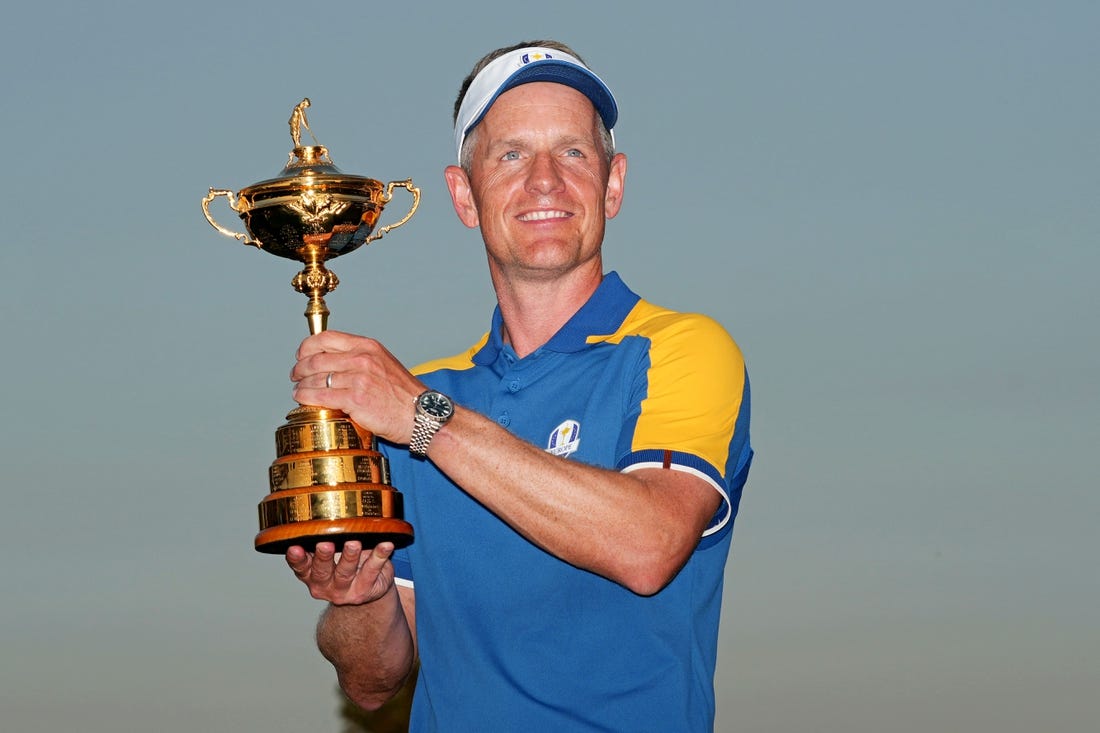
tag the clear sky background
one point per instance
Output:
(893, 207)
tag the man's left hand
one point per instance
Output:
(358, 375)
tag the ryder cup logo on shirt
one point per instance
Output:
(565, 439)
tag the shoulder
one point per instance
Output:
(678, 337)
(458, 362)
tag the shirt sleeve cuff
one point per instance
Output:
(722, 519)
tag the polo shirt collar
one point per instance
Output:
(601, 315)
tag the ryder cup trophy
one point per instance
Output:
(328, 482)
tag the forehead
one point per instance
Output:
(539, 105)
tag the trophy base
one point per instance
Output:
(329, 483)
(368, 530)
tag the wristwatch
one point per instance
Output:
(433, 410)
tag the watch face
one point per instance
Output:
(436, 404)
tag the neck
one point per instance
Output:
(533, 311)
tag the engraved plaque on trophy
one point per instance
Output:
(329, 482)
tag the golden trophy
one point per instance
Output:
(329, 482)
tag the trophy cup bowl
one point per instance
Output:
(329, 482)
(310, 197)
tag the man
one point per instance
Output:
(583, 462)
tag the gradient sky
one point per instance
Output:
(893, 207)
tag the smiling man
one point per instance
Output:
(573, 477)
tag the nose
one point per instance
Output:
(543, 175)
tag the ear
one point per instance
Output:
(461, 195)
(616, 180)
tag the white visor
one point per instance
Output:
(527, 65)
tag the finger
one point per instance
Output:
(321, 362)
(318, 380)
(348, 565)
(310, 345)
(379, 556)
(335, 380)
(373, 579)
(314, 369)
(323, 564)
(325, 341)
(299, 561)
(332, 399)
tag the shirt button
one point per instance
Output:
(514, 386)
(504, 419)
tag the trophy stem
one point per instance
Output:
(315, 280)
(317, 314)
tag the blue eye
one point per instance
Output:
(574, 153)
(510, 155)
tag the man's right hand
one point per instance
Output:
(349, 578)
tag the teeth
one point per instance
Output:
(543, 215)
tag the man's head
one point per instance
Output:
(539, 175)
(526, 62)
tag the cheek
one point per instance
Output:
(495, 202)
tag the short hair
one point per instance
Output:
(468, 144)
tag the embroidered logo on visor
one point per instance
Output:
(565, 439)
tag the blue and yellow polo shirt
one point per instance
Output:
(512, 638)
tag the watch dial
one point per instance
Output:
(435, 404)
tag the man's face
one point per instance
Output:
(540, 186)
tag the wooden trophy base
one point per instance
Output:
(367, 530)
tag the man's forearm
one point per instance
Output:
(635, 529)
(371, 646)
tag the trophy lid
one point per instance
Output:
(309, 160)
(310, 168)
(310, 197)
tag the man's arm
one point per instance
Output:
(368, 631)
(637, 529)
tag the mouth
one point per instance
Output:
(546, 215)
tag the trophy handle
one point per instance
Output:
(239, 236)
(407, 184)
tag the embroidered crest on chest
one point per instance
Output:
(565, 439)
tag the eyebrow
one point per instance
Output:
(521, 143)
